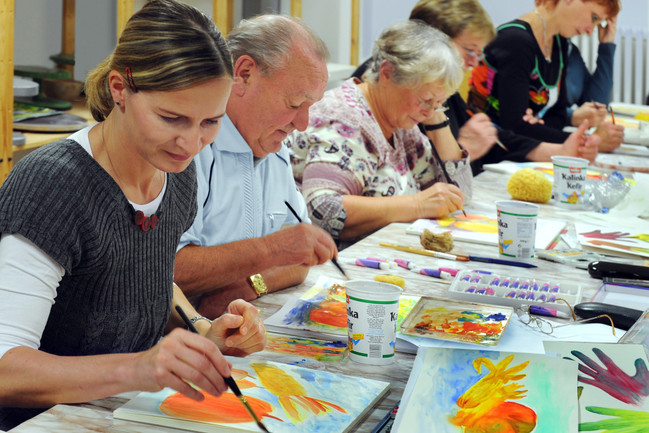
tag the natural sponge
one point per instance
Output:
(531, 185)
(437, 242)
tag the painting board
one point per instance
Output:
(319, 350)
(467, 322)
(482, 228)
(321, 312)
(630, 238)
(287, 398)
(623, 162)
(510, 167)
(443, 379)
(613, 384)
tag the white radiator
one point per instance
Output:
(631, 67)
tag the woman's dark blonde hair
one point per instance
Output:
(166, 45)
(454, 17)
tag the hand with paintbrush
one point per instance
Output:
(227, 378)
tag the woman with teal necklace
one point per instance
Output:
(524, 70)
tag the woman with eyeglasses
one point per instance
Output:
(363, 162)
(469, 26)
(523, 71)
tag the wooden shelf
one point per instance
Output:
(38, 139)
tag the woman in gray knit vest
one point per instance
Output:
(90, 226)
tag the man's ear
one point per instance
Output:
(246, 72)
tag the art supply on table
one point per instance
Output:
(569, 188)
(516, 229)
(228, 380)
(505, 291)
(481, 227)
(442, 242)
(570, 256)
(626, 282)
(623, 318)
(436, 273)
(549, 312)
(604, 268)
(366, 263)
(385, 425)
(467, 322)
(530, 185)
(333, 259)
(500, 261)
(438, 255)
(391, 279)
(371, 331)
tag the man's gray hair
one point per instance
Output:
(417, 53)
(271, 39)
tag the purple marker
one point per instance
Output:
(495, 281)
(511, 294)
(371, 264)
(545, 287)
(436, 273)
(552, 298)
(505, 283)
(470, 289)
(526, 285)
(490, 291)
(544, 311)
(555, 289)
(478, 271)
(516, 283)
(535, 286)
(542, 298)
(521, 295)
(530, 296)
(404, 263)
(450, 271)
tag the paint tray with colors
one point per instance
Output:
(514, 291)
(466, 322)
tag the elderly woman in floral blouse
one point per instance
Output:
(381, 150)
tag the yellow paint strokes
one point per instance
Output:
(485, 407)
(291, 394)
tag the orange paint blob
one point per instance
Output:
(224, 409)
(330, 312)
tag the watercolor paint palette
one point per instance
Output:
(466, 322)
(513, 291)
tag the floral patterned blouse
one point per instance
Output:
(343, 151)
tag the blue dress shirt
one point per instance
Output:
(238, 197)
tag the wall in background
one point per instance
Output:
(38, 24)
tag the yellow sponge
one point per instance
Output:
(392, 279)
(531, 185)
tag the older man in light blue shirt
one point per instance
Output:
(239, 246)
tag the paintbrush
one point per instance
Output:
(498, 142)
(458, 257)
(610, 110)
(228, 380)
(333, 259)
